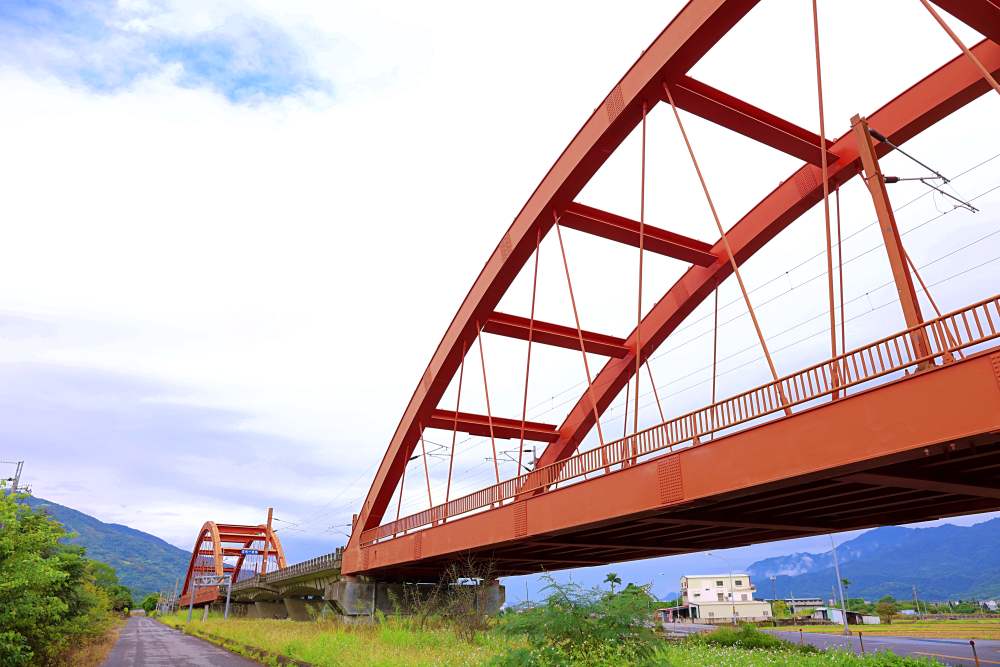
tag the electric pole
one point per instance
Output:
(840, 584)
(16, 479)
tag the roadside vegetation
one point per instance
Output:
(56, 606)
(392, 642)
(574, 626)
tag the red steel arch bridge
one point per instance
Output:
(899, 429)
(902, 429)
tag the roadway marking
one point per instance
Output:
(957, 657)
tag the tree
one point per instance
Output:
(105, 578)
(149, 603)
(886, 610)
(779, 608)
(613, 580)
(47, 594)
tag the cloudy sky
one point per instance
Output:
(234, 231)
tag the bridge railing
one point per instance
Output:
(323, 563)
(935, 342)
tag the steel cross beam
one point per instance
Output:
(982, 16)
(514, 326)
(918, 484)
(618, 228)
(733, 113)
(504, 428)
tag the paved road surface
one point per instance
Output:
(954, 652)
(148, 643)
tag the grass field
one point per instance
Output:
(332, 643)
(328, 643)
(944, 629)
(685, 655)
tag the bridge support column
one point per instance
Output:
(491, 597)
(355, 596)
(268, 610)
(300, 609)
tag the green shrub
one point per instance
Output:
(582, 626)
(749, 637)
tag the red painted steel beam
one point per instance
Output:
(502, 427)
(905, 420)
(939, 94)
(722, 523)
(624, 230)
(918, 484)
(735, 114)
(983, 16)
(698, 26)
(514, 326)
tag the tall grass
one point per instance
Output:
(330, 642)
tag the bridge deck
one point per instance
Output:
(919, 447)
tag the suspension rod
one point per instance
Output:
(427, 474)
(489, 412)
(527, 365)
(583, 350)
(638, 308)
(454, 433)
(729, 251)
(826, 202)
(955, 38)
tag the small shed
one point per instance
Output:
(836, 615)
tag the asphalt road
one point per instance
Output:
(955, 652)
(146, 643)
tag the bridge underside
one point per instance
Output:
(919, 448)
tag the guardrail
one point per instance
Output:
(322, 563)
(933, 343)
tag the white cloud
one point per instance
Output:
(296, 261)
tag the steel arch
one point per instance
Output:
(225, 540)
(697, 27)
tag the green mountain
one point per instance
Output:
(943, 562)
(144, 562)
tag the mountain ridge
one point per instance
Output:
(946, 562)
(145, 563)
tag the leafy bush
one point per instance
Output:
(582, 626)
(149, 603)
(749, 637)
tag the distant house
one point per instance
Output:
(835, 615)
(796, 605)
(717, 597)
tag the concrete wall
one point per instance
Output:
(267, 610)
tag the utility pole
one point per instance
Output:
(267, 541)
(875, 181)
(732, 596)
(16, 479)
(774, 596)
(840, 584)
(916, 602)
